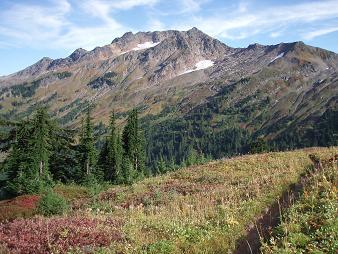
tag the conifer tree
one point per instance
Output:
(161, 166)
(130, 138)
(40, 142)
(191, 157)
(28, 161)
(118, 157)
(128, 173)
(171, 165)
(63, 163)
(103, 157)
(259, 146)
(133, 143)
(17, 162)
(111, 153)
(88, 153)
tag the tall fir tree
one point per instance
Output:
(28, 160)
(87, 149)
(111, 153)
(161, 166)
(133, 143)
(63, 163)
(129, 137)
(41, 142)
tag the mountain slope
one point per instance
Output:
(183, 80)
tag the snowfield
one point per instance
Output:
(204, 64)
(279, 56)
(146, 45)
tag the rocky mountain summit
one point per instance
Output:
(172, 73)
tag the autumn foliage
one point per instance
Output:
(58, 235)
(22, 206)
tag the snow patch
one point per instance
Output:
(279, 56)
(146, 45)
(204, 64)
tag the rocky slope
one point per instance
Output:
(263, 89)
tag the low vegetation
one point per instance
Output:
(311, 224)
(52, 204)
(199, 209)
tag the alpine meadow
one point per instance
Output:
(168, 141)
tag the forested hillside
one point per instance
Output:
(195, 96)
(40, 153)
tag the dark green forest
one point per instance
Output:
(40, 152)
(175, 138)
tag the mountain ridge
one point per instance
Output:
(183, 78)
(130, 36)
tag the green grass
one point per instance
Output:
(199, 209)
(202, 209)
(71, 192)
(311, 224)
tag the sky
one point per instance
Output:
(32, 29)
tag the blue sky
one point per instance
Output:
(32, 29)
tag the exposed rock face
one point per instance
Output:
(153, 70)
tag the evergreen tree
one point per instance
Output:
(40, 142)
(28, 161)
(64, 164)
(259, 146)
(128, 174)
(192, 157)
(88, 153)
(111, 153)
(171, 165)
(141, 154)
(129, 137)
(102, 161)
(133, 144)
(161, 166)
(118, 157)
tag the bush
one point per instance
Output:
(25, 183)
(52, 204)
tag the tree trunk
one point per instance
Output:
(87, 168)
(41, 168)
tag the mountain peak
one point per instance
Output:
(78, 53)
(126, 36)
(45, 59)
(255, 46)
(35, 69)
(194, 29)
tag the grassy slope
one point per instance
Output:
(311, 224)
(201, 209)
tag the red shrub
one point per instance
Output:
(19, 207)
(27, 201)
(46, 235)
